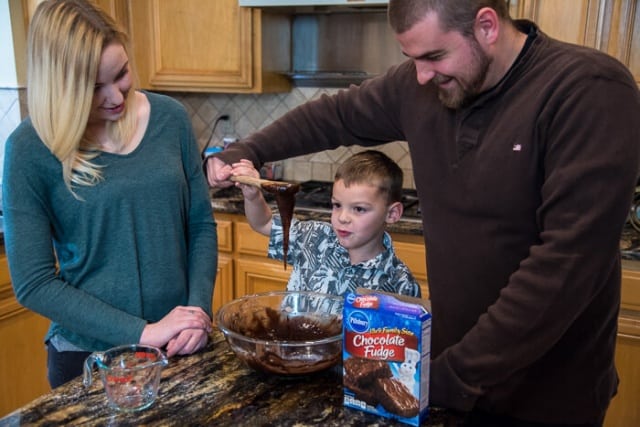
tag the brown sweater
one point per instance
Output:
(523, 194)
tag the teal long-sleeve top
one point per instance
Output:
(129, 249)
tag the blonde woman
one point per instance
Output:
(105, 181)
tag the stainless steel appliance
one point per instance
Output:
(335, 43)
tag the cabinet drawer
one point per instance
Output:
(630, 290)
(254, 276)
(250, 242)
(225, 235)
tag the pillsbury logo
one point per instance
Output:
(358, 322)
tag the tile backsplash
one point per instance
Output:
(248, 113)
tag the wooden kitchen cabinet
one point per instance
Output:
(118, 9)
(255, 272)
(23, 357)
(243, 261)
(612, 26)
(208, 46)
(625, 408)
(256, 276)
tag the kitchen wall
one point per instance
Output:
(253, 112)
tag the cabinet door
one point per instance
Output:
(612, 26)
(23, 357)
(413, 255)
(256, 276)
(198, 45)
(225, 234)
(23, 366)
(250, 242)
(630, 298)
(223, 290)
(255, 272)
(118, 10)
(573, 21)
(192, 43)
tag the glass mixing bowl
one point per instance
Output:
(285, 333)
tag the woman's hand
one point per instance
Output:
(171, 326)
(188, 341)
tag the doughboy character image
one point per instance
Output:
(407, 369)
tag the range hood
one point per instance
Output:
(335, 43)
(280, 3)
(339, 49)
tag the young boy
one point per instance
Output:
(354, 250)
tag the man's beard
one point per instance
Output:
(461, 94)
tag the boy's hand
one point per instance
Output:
(245, 168)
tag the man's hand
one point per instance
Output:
(218, 173)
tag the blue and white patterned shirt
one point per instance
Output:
(321, 264)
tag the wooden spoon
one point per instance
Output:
(268, 185)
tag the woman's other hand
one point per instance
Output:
(187, 342)
(170, 327)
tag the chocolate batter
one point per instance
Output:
(285, 200)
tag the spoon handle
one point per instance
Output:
(256, 182)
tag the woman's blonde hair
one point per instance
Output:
(66, 40)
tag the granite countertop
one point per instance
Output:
(213, 387)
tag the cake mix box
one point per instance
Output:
(386, 352)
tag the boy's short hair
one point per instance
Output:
(374, 168)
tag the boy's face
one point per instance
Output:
(359, 215)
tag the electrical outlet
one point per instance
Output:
(229, 135)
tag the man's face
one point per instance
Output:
(455, 64)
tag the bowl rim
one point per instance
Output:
(229, 333)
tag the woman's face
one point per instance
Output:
(113, 83)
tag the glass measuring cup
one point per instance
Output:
(130, 374)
